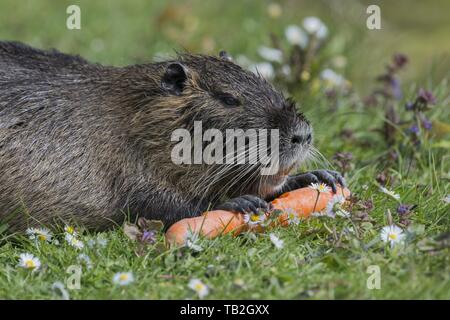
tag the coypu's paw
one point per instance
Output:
(245, 204)
(328, 177)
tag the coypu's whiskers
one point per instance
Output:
(248, 169)
(203, 187)
(243, 170)
(317, 156)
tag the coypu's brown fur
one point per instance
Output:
(88, 144)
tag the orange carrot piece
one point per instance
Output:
(304, 202)
(211, 224)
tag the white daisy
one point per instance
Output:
(265, 69)
(320, 187)
(296, 36)
(292, 217)
(28, 261)
(91, 243)
(41, 234)
(332, 79)
(277, 242)
(101, 241)
(70, 230)
(446, 199)
(334, 207)
(31, 232)
(343, 213)
(253, 219)
(199, 287)
(270, 54)
(392, 234)
(315, 26)
(318, 214)
(286, 70)
(74, 242)
(192, 241)
(84, 258)
(390, 193)
(123, 278)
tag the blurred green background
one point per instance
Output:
(125, 32)
(315, 262)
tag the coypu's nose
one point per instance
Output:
(301, 139)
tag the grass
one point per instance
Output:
(312, 264)
(309, 265)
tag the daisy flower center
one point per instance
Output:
(30, 264)
(198, 286)
(42, 237)
(393, 236)
(123, 277)
(254, 217)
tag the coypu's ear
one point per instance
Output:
(174, 78)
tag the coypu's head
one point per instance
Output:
(221, 95)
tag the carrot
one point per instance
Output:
(304, 202)
(211, 224)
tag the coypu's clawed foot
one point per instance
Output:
(328, 177)
(245, 204)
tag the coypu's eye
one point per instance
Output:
(229, 100)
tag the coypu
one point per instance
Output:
(88, 144)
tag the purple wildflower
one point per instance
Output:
(400, 60)
(414, 129)
(426, 96)
(403, 209)
(427, 125)
(382, 178)
(409, 106)
(149, 236)
(396, 88)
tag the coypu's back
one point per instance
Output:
(59, 134)
(17, 58)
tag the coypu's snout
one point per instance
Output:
(296, 136)
(295, 146)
